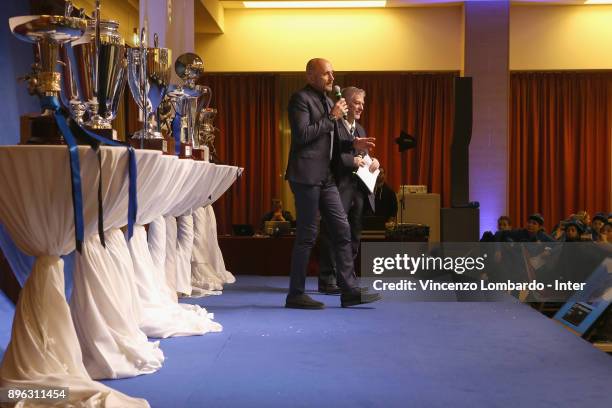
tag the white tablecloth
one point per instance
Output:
(36, 209)
(105, 306)
(162, 315)
(208, 272)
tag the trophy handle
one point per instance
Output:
(205, 96)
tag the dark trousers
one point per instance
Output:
(309, 202)
(353, 199)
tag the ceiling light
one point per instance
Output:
(314, 4)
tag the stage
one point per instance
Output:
(396, 354)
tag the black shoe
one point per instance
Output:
(329, 288)
(358, 298)
(302, 301)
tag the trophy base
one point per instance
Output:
(40, 129)
(200, 154)
(107, 133)
(186, 151)
(165, 145)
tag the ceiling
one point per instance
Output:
(209, 13)
(228, 4)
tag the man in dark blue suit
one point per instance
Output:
(354, 195)
(315, 150)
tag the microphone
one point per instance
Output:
(338, 94)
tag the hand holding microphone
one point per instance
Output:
(340, 109)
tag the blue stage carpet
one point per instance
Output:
(398, 354)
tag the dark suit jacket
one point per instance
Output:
(343, 171)
(311, 134)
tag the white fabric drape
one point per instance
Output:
(184, 248)
(207, 265)
(106, 311)
(162, 316)
(36, 209)
(105, 305)
(208, 272)
(170, 252)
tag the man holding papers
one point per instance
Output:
(355, 174)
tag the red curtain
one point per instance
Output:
(248, 119)
(420, 104)
(248, 123)
(560, 144)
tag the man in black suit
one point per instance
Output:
(315, 148)
(354, 195)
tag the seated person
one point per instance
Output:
(584, 217)
(534, 232)
(503, 224)
(277, 214)
(598, 221)
(573, 230)
(605, 233)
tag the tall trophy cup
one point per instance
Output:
(148, 79)
(98, 72)
(186, 110)
(188, 100)
(48, 33)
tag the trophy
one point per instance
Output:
(186, 110)
(98, 71)
(206, 134)
(148, 79)
(48, 33)
(188, 100)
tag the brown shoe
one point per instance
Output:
(329, 288)
(302, 301)
(358, 298)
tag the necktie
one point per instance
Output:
(331, 144)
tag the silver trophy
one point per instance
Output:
(48, 33)
(148, 79)
(185, 106)
(98, 72)
(188, 100)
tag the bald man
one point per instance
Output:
(314, 153)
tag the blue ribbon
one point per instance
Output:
(132, 174)
(176, 132)
(52, 103)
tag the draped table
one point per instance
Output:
(208, 272)
(36, 210)
(181, 239)
(155, 256)
(105, 304)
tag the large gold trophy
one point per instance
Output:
(49, 33)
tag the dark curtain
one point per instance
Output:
(247, 119)
(560, 148)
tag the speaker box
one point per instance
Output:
(460, 224)
(462, 134)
